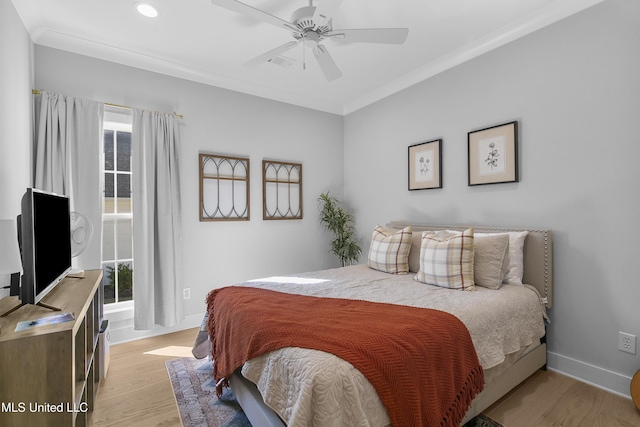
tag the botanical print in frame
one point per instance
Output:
(493, 154)
(425, 165)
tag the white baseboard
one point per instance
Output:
(122, 328)
(612, 382)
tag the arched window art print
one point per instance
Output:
(281, 190)
(224, 188)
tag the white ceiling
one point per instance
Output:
(196, 40)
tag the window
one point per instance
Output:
(117, 217)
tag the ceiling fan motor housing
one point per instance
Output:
(303, 19)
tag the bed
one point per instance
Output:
(305, 386)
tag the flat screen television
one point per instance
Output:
(45, 243)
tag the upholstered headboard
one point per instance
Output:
(538, 253)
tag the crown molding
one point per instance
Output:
(549, 15)
(552, 13)
(73, 44)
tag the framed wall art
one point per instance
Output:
(425, 165)
(281, 190)
(224, 188)
(493, 154)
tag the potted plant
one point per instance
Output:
(340, 222)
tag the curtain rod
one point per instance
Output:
(38, 92)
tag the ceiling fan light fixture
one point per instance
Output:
(145, 9)
(309, 26)
(311, 39)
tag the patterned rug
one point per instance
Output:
(195, 392)
(482, 421)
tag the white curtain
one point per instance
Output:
(157, 220)
(67, 156)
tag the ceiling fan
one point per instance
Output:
(311, 25)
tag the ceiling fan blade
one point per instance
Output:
(245, 9)
(325, 10)
(267, 56)
(327, 64)
(371, 35)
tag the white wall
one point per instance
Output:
(221, 121)
(575, 91)
(15, 113)
(15, 110)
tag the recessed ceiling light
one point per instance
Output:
(147, 10)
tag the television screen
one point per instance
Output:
(46, 243)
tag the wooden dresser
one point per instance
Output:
(49, 374)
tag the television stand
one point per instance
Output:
(22, 304)
(53, 366)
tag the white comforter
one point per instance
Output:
(309, 387)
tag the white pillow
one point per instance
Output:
(515, 270)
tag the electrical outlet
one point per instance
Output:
(186, 294)
(627, 342)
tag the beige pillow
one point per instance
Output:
(389, 250)
(515, 270)
(447, 260)
(490, 259)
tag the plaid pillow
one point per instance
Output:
(389, 250)
(447, 261)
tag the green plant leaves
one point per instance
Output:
(341, 223)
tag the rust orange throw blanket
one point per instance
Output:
(421, 362)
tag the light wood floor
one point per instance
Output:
(549, 399)
(137, 392)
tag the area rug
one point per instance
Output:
(195, 392)
(482, 421)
